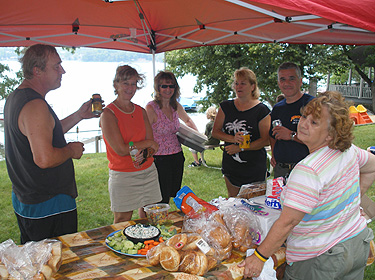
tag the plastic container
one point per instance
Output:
(157, 213)
(140, 228)
(133, 151)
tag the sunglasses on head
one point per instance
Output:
(165, 86)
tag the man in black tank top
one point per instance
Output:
(39, 161)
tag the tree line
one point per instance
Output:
(214, 66)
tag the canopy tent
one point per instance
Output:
(154, 26)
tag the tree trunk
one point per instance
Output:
(313, 86)
(373, 96)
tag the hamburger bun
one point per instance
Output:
(177, 241)
(169, 258)
(153, 255)
(189, 263)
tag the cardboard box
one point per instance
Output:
(368, 207)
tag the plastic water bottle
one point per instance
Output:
(133, 151)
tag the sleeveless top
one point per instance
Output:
(32, 184)
(132, 128)
(165, 131)
(247, 166)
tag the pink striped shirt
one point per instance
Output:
(325, 186)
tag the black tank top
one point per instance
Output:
(30, 183)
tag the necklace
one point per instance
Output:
(126, 109)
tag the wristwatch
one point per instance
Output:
(293, 134)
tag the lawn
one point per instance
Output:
(93, 199)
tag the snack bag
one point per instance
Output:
(190, 204)
(273, 192)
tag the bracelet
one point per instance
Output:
(260, 256)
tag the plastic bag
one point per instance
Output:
(268, 273)
(252, 190)
(184, 252)
(190, 204)
(32, 259)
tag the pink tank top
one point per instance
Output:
(165, 130)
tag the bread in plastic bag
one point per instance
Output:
(184, 252)
(252, 190)
(34, 260)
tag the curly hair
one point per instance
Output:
(340, 125)
(124, 73)
(164, 76)
(247, 74)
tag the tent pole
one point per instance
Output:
(153, 63)
(165, 60)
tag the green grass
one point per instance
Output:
(93, 199)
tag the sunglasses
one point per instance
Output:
(166, 86)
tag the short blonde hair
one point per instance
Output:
(246, 73)
(340, 125)
(124, 73)
(211, 113)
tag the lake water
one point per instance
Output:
(82, 79)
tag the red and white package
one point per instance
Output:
(273, 192)
(275, 187)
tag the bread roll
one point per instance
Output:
(218, 217)
(56, 248)
(220, 235)
(189, 263)
(279, 257)
(55, 262)
(3, 272)
(153, 255)
(39, 276)
(47, 271)
(247, 244)
(203, 263)
(224, 253)
(240, 232)
(191, 243)
(169, 258)
(211, 262)
(177, 241)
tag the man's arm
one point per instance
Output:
(37, 124)
(84, 112)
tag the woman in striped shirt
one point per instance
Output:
(327, 236)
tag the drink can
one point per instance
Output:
(246, 141)
(276, 123)
(96, 106)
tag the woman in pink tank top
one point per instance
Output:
(164, 113)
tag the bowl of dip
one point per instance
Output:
(141, 233)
